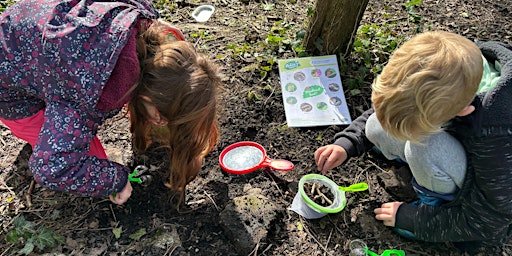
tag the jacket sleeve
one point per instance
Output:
(353, 138)
(482, 212)
(60, 159)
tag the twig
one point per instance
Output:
(200, 201)
(328, 240)
(272, 175)
(312, 236)
(214, 204)
(4, 253)
(313, 188)
(272, 93)
(378, 167)
(266, 249)
(170, 250)
(113, 214)
(29, 193)
(323, 196)
(255, 250)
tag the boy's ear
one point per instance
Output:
(466, 111)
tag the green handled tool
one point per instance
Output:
(386, 252)
(138, 177)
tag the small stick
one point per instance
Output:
(327, 199)
(28, 196)
(323, 196)
(211, 199)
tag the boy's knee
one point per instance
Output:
(373, 129)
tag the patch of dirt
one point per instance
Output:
(149, 224)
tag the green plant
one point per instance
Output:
(5, 4)
(414, 17)
(202, 34)
(32, 236)
(410, 6)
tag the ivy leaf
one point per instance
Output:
(117, 232)
(12, 237)
(28, 249)
(46, 238)
(138, 234)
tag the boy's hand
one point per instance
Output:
(387, 213)
(121, 197)
(330, 156)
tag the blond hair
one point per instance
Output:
(183, 85)
(428, 81)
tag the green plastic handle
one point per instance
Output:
(132, 177)
(362, 186)
(386, 252)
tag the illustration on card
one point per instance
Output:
(312, 92)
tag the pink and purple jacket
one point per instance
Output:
(75, 60)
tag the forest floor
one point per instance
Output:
(242, 37)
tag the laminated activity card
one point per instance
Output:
(312, 92)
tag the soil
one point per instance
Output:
(236, 37)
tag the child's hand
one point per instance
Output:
(121, 197)
(387, 213)
(330, 156)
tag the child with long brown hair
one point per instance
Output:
(68, 67)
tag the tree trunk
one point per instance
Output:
(334, 25)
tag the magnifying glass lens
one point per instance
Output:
(242, 158)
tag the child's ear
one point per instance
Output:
(146, 98)
(466, 111)
(154, 115)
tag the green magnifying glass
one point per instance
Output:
(319, 196)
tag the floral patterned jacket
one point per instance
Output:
(58, 55)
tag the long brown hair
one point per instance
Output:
(183, 85)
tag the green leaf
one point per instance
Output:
(138, 234)
(117, 232)
(27, 249)
(55, 214)
(299, 226)
(413, 3)
(47, 238)
(12, 237)
(354, 92)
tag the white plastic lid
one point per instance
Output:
(203, 13)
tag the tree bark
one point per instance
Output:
(333, 26)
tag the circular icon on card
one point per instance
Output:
(299, 76)
(334, 87)
(291, 100)
(330, 73)
(335, 101)
(290, 87)
(316, 72)
(306, 107)
(322, 105)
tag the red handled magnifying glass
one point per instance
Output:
(247, 156)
